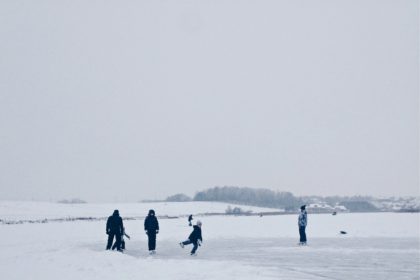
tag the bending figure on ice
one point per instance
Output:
(195, 238)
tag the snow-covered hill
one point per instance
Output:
(28, 210)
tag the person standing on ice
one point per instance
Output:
(151, 226)
(195, 238)
(114, 227)
(190, 218)
(302, 222)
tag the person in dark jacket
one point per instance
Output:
(151, 226)
(190, 218)
(195, 238)
(302, 222)
(114, 228)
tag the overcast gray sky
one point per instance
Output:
(127, 100)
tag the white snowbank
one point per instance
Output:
(25, 210)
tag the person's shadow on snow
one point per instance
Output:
(134, 250)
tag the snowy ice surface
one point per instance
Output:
(377, 246)
(12, 210)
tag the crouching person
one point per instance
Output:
(195, 238)
(122, 241)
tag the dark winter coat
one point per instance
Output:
(114, 224)
(190, 218)
(151, 224)
(195, 235)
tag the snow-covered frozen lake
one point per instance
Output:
(28, 210)
(377, 246)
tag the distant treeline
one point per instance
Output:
(180, 197)
(245, 196)
(273, 199)
(72, 201)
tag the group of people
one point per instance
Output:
(115, 229)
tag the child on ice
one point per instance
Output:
(195, 238)
(122, 241)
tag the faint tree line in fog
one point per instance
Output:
(180, 197)
(290, 203)
(250, 196)
(245, 196)
(72, 201)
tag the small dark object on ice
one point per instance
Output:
(343, 232)
(334, 213)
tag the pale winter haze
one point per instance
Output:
(127, 100)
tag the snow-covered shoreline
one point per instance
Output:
(376, 246)
(30, 210)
